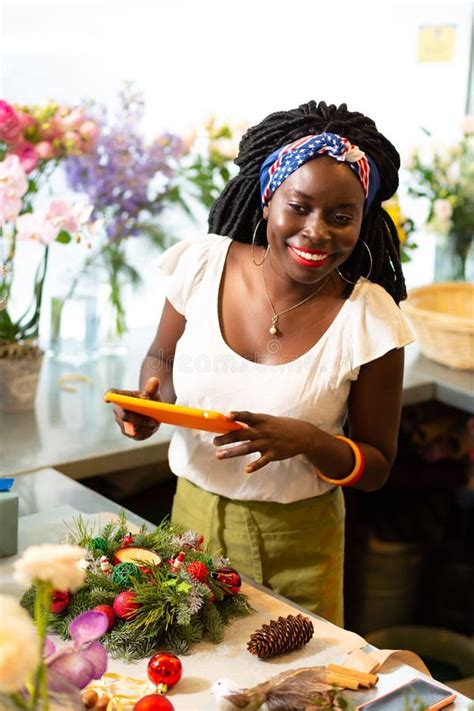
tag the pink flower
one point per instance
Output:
(26, 120)
(65, 216)
(46, 225)
(69, 119)
(35, 226)
(27, 154)
(47, 131)
(88, 132)
(13, 185)
(45, 150)
(9, 208)
(10, 125)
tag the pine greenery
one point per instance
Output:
(176, 611)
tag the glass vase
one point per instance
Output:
(74, 317)
(113, 335)
(453, 257)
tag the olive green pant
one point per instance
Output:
(295, 549)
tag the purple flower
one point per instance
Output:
(82, 660)
(125, 178)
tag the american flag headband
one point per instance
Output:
(284, 161)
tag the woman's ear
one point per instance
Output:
(265, 212)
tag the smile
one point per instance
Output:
(308, 259)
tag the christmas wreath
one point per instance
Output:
(157, 587)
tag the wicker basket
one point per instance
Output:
(442, 316)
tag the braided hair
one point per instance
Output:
(237, 211)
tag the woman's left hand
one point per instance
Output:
(276, 438)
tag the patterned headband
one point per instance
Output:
(284, 161)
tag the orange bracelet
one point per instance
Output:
(359, 466)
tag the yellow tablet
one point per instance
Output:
(191, 417)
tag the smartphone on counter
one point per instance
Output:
(415, 695)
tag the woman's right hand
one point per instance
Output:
(132, 424)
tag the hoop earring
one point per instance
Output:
(370, 268)
(258, 264)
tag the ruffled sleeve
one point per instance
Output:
(380, 326)
(183, 266)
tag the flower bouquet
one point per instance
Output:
(129, 181)
(157, 587)
(444, 178)
(33, 140)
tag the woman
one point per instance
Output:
(287, 316)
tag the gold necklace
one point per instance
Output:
(273, 330)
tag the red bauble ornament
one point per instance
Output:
(197, 571)
(125, 605)
(165, 669)
(153, 702)
(108, 610)
(60, 600)
(228, 579)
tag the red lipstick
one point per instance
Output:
(312, 263)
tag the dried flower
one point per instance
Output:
(59, 565)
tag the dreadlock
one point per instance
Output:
(237, 210)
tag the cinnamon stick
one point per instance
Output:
(364, 678)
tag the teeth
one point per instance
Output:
(310, 257)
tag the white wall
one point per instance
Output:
(243, 59)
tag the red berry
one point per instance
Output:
(125, 605)
(108, 610)
(197, 571)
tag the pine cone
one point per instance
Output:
(282, 635)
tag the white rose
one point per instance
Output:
(442, 209)
(59, 565)
(19, 646)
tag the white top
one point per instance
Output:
(315, 387)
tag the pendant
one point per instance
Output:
(273, 328)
